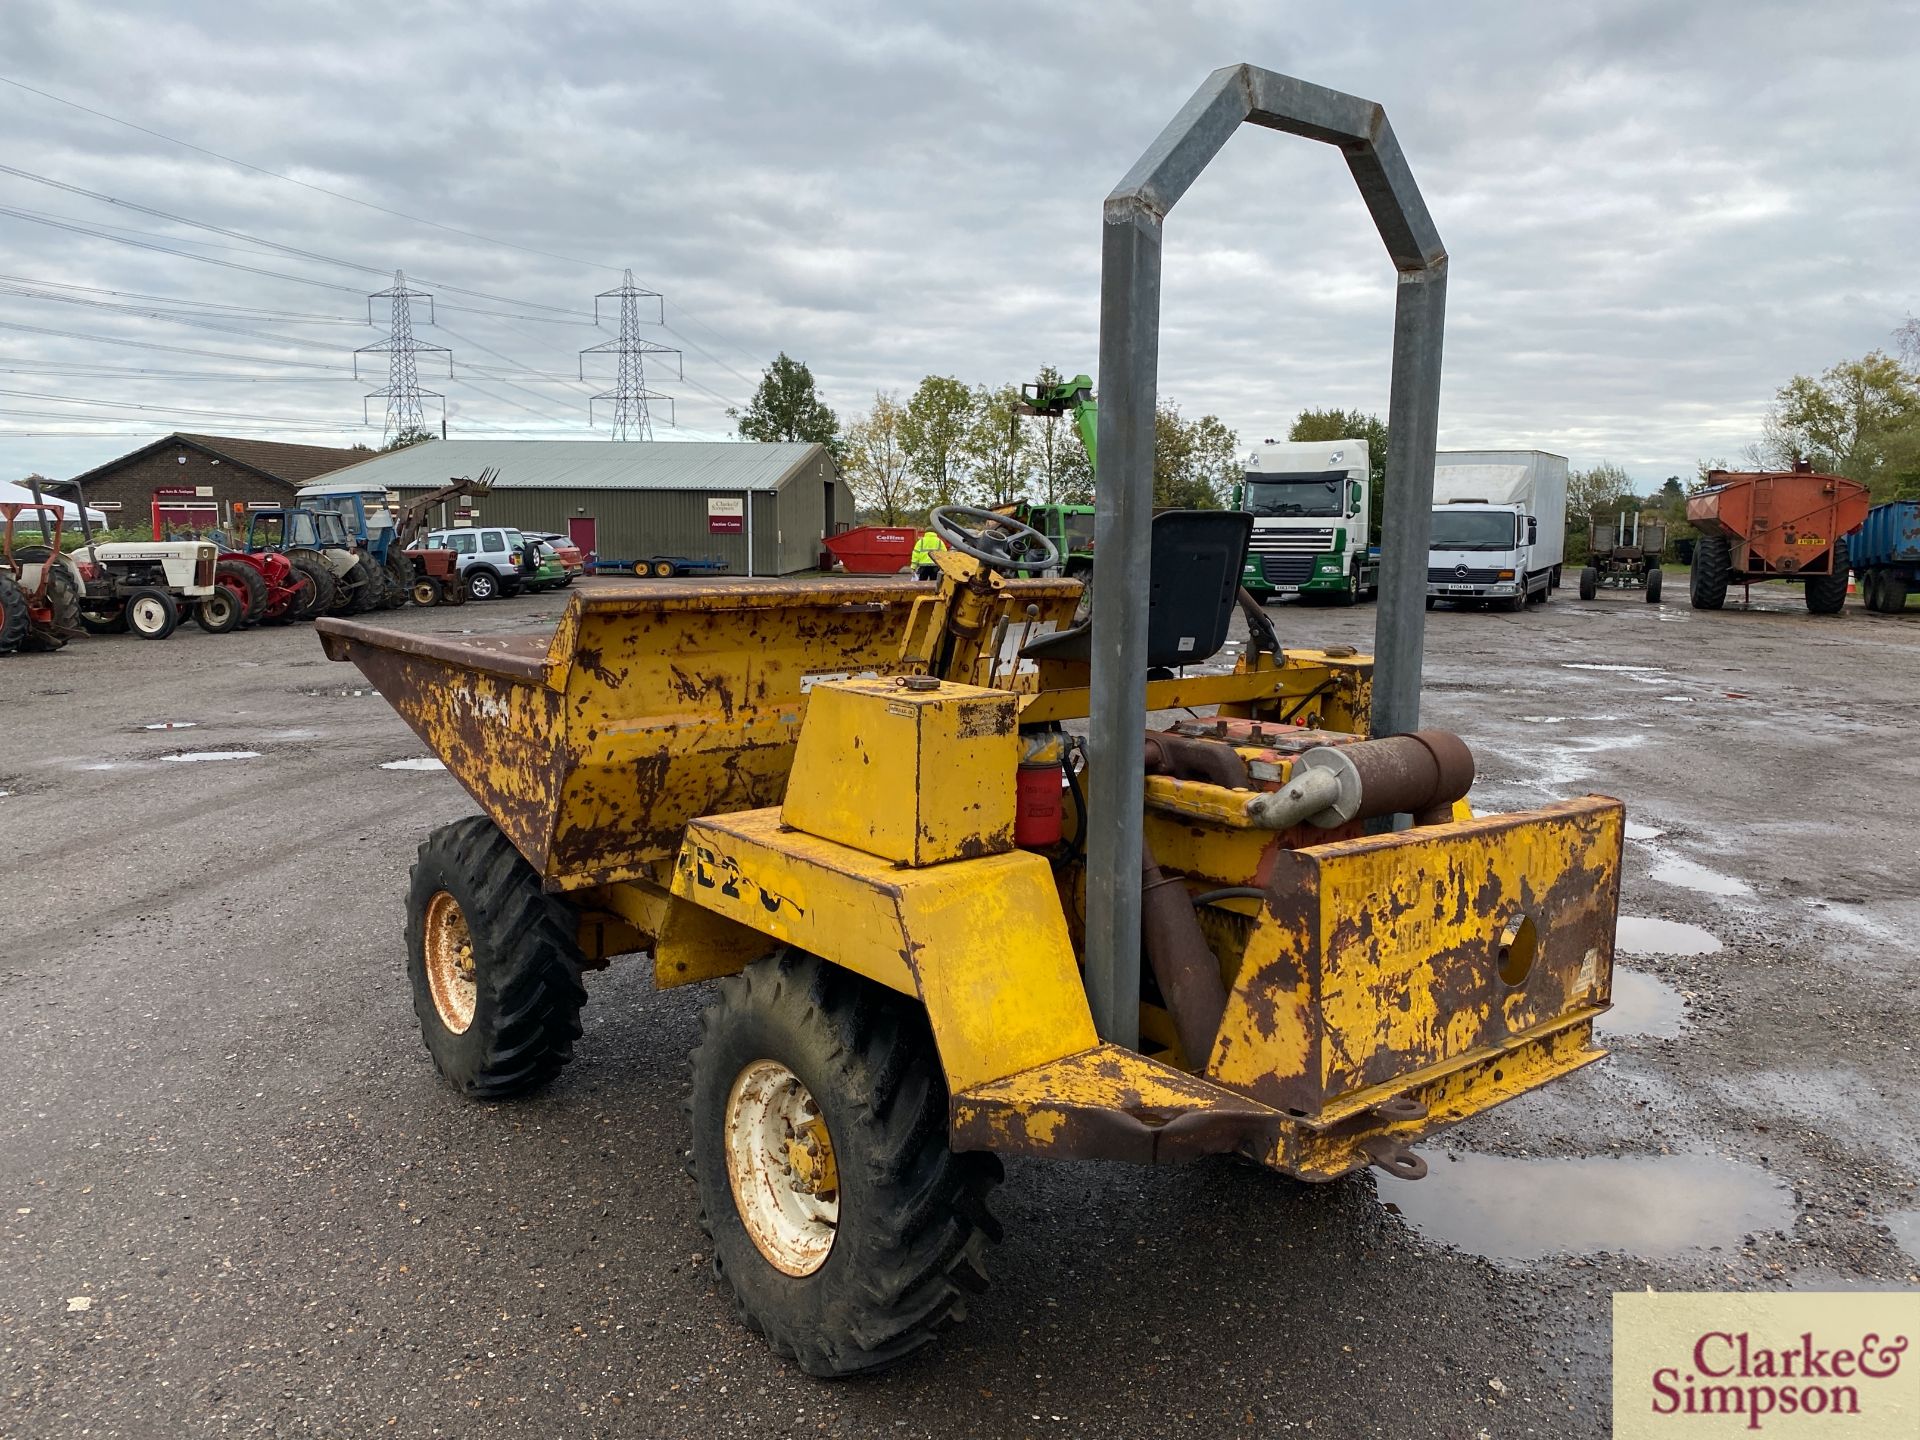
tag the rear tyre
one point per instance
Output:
(399, 568)
(871, 1234)
(63, 599)
(1712, 569)
(218, 613)
(320, 577)
(1827, 594)
(365, 585)
(427, 591)
(1589, 583)
(13, 614)
(494, 963)
(1653, 586)
(248, 588)
(151, 613)
(1893, 593)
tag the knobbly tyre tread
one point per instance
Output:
(62, 598)
(1827, 594)
(527, 956)
(1712, 571)
(323, 586)
(912, 1244)
(14, 622)
(399, 568)
(253, 588)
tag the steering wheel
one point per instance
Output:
(1016, 546)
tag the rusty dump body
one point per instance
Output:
(1779, 523)
(711, 771)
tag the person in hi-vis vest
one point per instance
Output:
(923, 549)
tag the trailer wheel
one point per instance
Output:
(427, 591)
(1653, 586)
(151, 613)
(662, 569)
(1893, 593)
(1712, 569)
(1589, 583)
(493, 961)
(1827, 594)
(847, 1231)
(13, 614)
(218, 613)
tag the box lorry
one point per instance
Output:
(1309, 500)
(1499, 527)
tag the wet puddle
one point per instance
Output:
(1639, 935)
(171, 725)
(1906, 1232)
(190, 757)
(1650, 1206)
(1612, 669)
(423, 763)
(1637, 831)
(1671, 869)
(1643, 1005)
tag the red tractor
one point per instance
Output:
(40, 586)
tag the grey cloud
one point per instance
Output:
(1656, 213)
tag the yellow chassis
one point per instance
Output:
(667, 761)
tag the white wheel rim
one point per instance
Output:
(781, 1167)
(148, 613)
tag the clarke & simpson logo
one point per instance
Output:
(1783, 1365)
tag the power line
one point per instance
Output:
(399, 214)
(303, 184)
(629, 394)
(154, 345)
(402, 391)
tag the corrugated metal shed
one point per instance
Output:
(588, 464)
(629, 501)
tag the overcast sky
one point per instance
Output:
(1655, 213)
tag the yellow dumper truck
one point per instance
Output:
(868, 814)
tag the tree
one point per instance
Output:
(997, 446)
(787, 407)
(1601, 487)
(1060, 463)
(1860, 418)
(406, 439)
(1351, 424)
(1195, 462)
(876, 460)
(933, 433)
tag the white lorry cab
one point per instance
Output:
(1499, 527)
(1309, 501)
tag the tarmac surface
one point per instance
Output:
(236, 1200)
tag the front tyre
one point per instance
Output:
(494, 962)
(846, 1230)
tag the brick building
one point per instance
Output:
(198, 480)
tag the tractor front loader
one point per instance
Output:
(943, 927)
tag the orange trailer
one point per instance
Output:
(1775, 525)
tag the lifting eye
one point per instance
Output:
(1518, 943)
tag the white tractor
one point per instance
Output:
(150, 586)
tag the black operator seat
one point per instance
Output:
(1193, 582)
